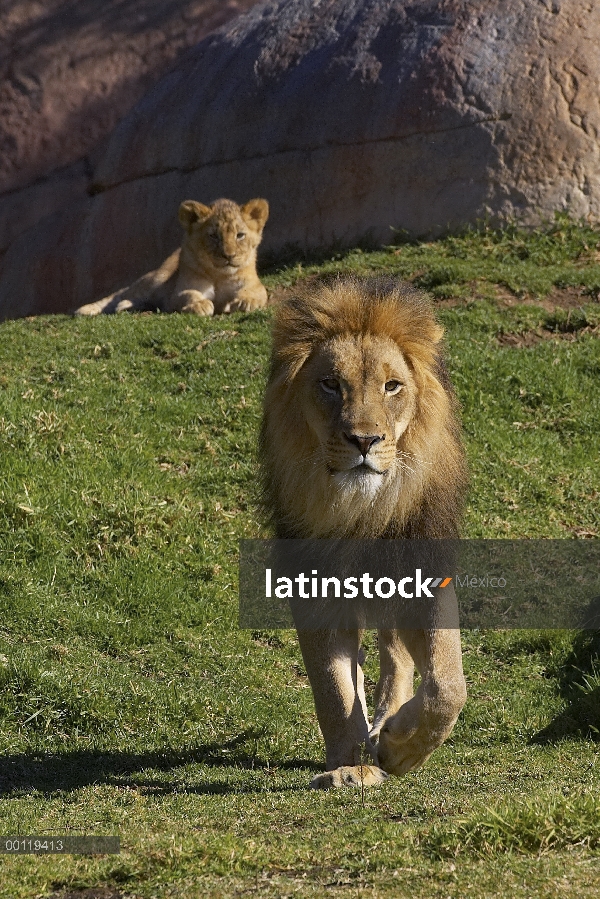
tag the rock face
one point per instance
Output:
(69, 71)
(353, 118)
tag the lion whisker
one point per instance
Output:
(313, 458)
(412, 456)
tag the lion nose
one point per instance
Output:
(364, 443)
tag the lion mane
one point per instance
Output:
(423, 497)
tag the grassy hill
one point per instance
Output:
(132, 704)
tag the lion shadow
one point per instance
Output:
(580, 719)
(48, 773)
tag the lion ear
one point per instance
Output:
(256, 212)
(190, 212)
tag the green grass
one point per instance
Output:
(548, 822)
(564, 254)
(131, 703)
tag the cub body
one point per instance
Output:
(214, 271)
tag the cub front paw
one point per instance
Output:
(241, 305)
(192, 302)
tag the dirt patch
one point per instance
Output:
(532, 337)
(279, 294)
(559, 324)
(581, 533)
(452, 302)
(528, 339)
(89, 893)
(558, 298)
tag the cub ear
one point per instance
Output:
(190, 212)
(256, 212)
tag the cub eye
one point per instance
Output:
(393, 386)
(240, 235)
(330, 385)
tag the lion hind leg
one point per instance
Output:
(349, 776)
(122, 301)
(147, 293)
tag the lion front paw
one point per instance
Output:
(349, 776)
(422, 724)
(398, 756)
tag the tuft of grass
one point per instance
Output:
(532, 826)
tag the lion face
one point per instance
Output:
(223, 236)
(359, 437)
(358, 398)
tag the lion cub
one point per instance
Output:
(214, 271)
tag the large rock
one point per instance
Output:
(352, 117)
(69, 71)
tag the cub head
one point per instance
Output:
(223, 236)
(358, 420)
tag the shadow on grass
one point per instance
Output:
(48, 773)
(271, 262)
(579, 684)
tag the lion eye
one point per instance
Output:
(330, 385)
(240, 235)
(393, 386)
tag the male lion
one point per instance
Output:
(360, 440)
(213, 271)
